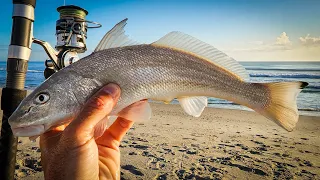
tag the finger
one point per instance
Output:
(54, 131)
(101, 127)
(95, 109)
(119, 128)
(114, 134)
(49, 139)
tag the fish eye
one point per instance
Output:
(42, 98)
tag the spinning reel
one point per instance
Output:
(71, 33)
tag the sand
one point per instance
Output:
(221, 144)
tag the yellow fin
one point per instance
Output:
(282, 107)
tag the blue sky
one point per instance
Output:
(244, 29)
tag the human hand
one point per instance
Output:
(72, 152)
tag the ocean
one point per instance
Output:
(308, 99)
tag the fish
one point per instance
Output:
(175, 66)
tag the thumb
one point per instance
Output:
(96, 108)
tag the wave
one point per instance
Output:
(31, 70)
(313, 87)
(282, 69)
(35, 71)
(286, 75)
(310, 91)
(309, 109)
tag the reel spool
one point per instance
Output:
(71, 28)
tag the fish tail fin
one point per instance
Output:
(282, 106)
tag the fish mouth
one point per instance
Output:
(28, 131)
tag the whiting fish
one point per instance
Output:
(176, 66)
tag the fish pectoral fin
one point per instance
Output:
(138, 112)
(193, 105)
(116, 37)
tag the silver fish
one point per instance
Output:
(176, 66)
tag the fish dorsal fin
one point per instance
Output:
(188, 43)
(193, 105)
(116, 37)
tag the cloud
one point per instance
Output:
(283, 40)
(280, 49)
(310, 41)
(281, 43)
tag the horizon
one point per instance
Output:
(246, 30)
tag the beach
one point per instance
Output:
(220, 144)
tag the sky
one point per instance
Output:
(247, 30)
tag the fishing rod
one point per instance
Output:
(12, 94)
(71, 33)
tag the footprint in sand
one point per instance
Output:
(255, 152)
(133, 170)
(132, 153)
(261, 136)
(139, 146)
(33, 164)
(156, 163)
(192, 151)
(161, 177)
(183, 174)
(242, 146)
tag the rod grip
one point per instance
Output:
(10, 100)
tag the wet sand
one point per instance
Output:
(221, 144)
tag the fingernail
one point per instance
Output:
(112, 89)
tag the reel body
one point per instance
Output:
(71, 35)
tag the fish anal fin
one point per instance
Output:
(193, 105)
